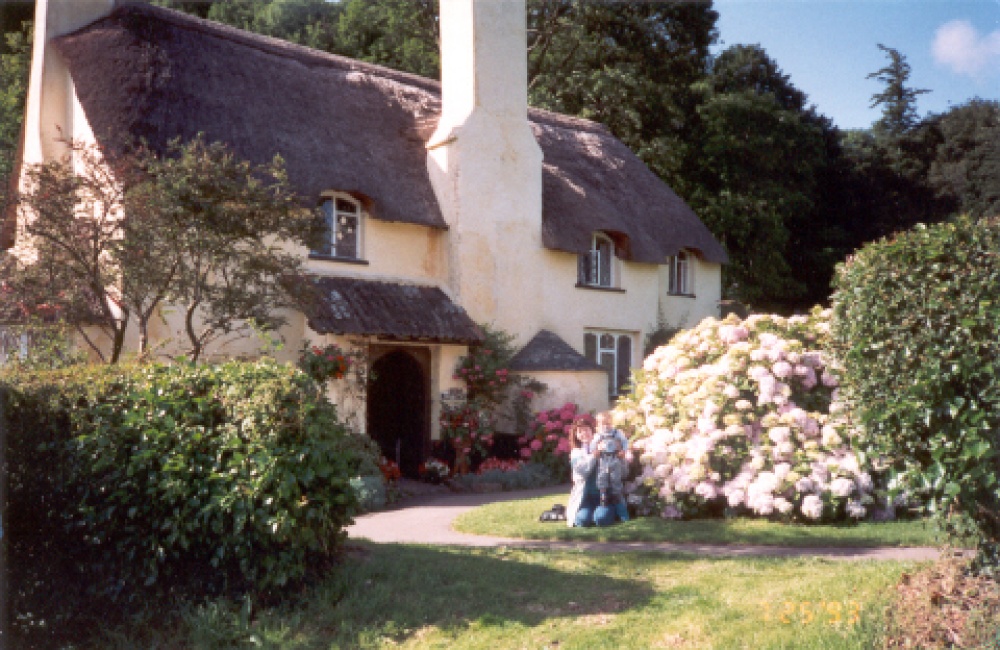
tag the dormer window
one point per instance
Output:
(598, 266)
(679, 274)
(342, 216)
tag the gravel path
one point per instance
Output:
(427, 519)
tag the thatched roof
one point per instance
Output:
(342, 124)
(389, 311)
(547, 351)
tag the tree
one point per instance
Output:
(228, 230)
(629, 66)
(65, 265)
(116, 239)
(965, 164)
(754, 180)
(897, 99)
(400, 34)
(15, 58)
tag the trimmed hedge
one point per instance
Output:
(917, 329)
(219, 479)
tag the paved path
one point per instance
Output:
(427, 519)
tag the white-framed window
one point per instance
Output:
(613, 352)
(13, 345)
(344, 220)
(679, 274)
(598, 267)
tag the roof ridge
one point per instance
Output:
(280, 47)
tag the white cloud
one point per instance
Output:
(960, 47)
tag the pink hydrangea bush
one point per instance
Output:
(744, 417)
(548, 440)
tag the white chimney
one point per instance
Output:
(51, 109)
(485, 164)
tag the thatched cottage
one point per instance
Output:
(449, 203)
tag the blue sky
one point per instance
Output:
(827, 47)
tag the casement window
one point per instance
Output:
(13, 345)
(679, 274)
(613, 352)
(598, 267)
(343, 218)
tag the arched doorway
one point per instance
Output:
(397, 409)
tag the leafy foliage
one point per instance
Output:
(15, 58)
(230, 478)
(917, 330)
(966, 161)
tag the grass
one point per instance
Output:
(520, 519)
(427, 597)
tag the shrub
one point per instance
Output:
(547, 443)
(917, 330)
(526, 476)
(370, 492)
(741, 417)
(220, 478)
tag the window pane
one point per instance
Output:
(326, 214)
(590, 346)
(624, 361)
(605, 255)
(608, 363)
(588, 268)
(344, 205)
(347, 236)
(607, 342)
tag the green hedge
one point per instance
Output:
(231, 478)
(917, 329)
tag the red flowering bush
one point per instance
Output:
(548, 440)
(468, 427)
(390, 470)
(323, 364)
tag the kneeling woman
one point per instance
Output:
(584, 507)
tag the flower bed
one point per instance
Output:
(742, 417)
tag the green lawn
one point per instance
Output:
(412, 596)
(520, 519)
(424, 597)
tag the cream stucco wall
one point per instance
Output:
(589, 390)
(393, 251)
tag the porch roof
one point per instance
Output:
(547, 351)
(388, 310)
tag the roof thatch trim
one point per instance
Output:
(387, 310)
(351, 126)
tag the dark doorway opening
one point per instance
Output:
(397, 408)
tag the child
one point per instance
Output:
(610, 445)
